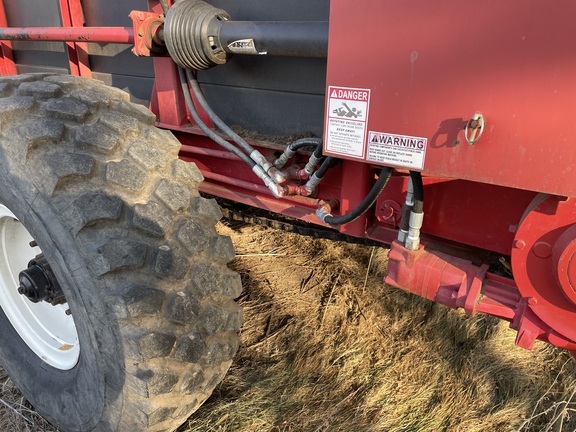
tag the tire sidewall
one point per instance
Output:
(82, 394)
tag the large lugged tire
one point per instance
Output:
(150, 325)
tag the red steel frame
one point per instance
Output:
(73, 33)
(7, 66)
(458, 212)
(71, 12)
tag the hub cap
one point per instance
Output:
(47, 330)
(543, 261)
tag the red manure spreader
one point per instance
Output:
(442, 129)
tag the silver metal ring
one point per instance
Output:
(473, 134)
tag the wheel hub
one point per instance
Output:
(564, 261)
(38, 283)
(32, 299)
(544, 261)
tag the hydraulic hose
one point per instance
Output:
(318, 152)
(305, 142)
(277, 190)
(324, 167)
(417, 213)
(316, 178)
(291, 150)
(418, 187)
(406, 210)
(315, 159)
(213, 116)
(209, 132)
(255, 155)
(366, 203)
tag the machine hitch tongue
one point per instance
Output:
(38, 283)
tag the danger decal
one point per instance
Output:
(399, 150)
(346, 122)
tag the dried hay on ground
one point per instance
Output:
(327, 347)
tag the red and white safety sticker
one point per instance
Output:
(346, 120)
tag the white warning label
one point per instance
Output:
(400, 150)
(346, 120)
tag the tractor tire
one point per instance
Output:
(149, 325)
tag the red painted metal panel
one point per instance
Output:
(430, 66)
(475, 214)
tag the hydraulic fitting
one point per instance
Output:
(284, 158)
(277, 190)
(312, 163)
(413, 238)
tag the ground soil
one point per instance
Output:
(326, 346)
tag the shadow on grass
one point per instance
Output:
(322, 351)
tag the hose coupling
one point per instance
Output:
(277, 190)
(312, 163)
(284, 158)
(278, 176)
(296, 172)
(325, 210)
(413, 238)
(312, 184)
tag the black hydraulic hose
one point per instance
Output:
(209, 132)
(213, 116)
(318, 152)
(306, 142)
(291, 150)
(407, 208)
(324, 167)
(366, 203)
(412, 237)
(418, 186)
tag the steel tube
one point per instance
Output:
(242, 184)
(123, 35)
(292, 39)
(220, 154)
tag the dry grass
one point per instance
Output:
(327, 347)
(16, 413)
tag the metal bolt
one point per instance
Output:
(68, 312)
(532, 301)
(520, 244)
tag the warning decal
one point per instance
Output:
(400, 150)
(346, 120)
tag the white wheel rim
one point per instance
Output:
(47, 330)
